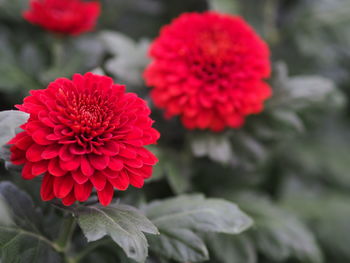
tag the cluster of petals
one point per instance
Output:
(209, 69)
(85, 134)
(68, 17)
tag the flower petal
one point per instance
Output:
(46, 190)
(106, 195)
(98, 180)
(82, 191)
(63, 185)
(121, 182)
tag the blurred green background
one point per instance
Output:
(288, 168)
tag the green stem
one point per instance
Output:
(270, 28)
(66, 233)
(57, 52)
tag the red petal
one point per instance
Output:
(77, 149)
(145, 172)
(27, 171)
(135, 180)
(99, 162)
(63, 185)
(121, 182)
(115, 164)
(127, 153)
(55, 169)
(98, 180)
(65, 154)
(110, 148)
(46, 190)
(17, 156)
(148, 157)
(79, 177)
(18, 137)
(69, 199)
(24, 143)
(82, 191)
(39, 136)
(135, 163)
(34, 152)
(86, 167)
(70, 165)
(51, 151)
(40, 167)
(106, 195)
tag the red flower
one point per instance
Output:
(209, 69)
(82, 134)
(70, 17)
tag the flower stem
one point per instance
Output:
(57, 52)
(270, 28)
(66, 233)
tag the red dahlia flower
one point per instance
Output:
(82, 134)
(70, 17)
(209, 69)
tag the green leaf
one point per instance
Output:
(180, 219)
(130, 57)
(124, 224)
(327, 214)
(21, 239)
(227, 6)
(217, 148)
(279, 235)
(229, 248)
(303, 92)
(10, 120)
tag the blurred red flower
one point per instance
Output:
(209, 69)
(69, 17)
(85, 133)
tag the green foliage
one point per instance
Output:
(124, 224)
(129, 58)
(229, 248)
(21, 238)
(9, 122)
(181, 219)
(293, 157)
(279, 235)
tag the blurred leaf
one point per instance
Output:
(13, 8)
(175, 167)
(216, 147)
(21, 239)
(226, 6)
(130, 58)
(302, 92)
(232, 249)
(9, 121)
(179, 220)
(124, 224)
(328, 216)
(13, 73)
(278, 234)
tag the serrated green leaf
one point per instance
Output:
(229, 248)
(180, 219)
(280, 235)
(124, 224)
(21, 239)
